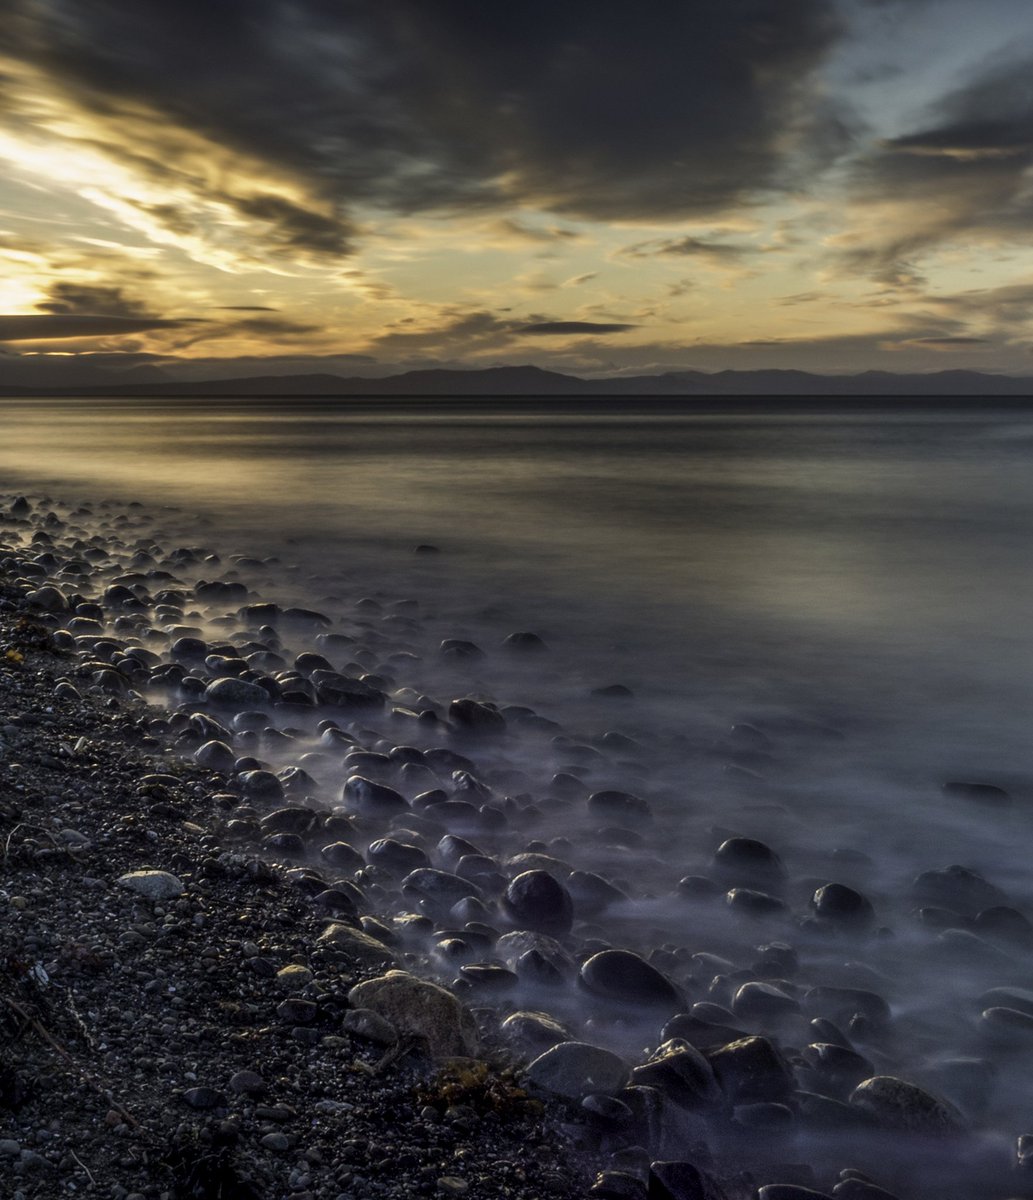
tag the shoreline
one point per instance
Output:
(545, 1037)
(152, 1047)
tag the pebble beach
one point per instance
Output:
(307, 900)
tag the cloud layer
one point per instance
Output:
(583, 108)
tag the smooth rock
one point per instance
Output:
(152, 885)
(230, 692)
(752, 1069)
(535, 900)
(625, 977)
(896, 1104)
(680, 1071)
(418, 1008)
(573, 1069)
(355, 944)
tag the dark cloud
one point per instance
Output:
(274, 326)
(948, 341)
(591, 327)
(292, 227)
(584, 107)
(963, 172)
(247, 308)
(711, 253)
(40, 327)
(66, 298)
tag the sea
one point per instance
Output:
(821, 612)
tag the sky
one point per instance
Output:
(215, 188)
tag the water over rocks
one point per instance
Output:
(696, 1007)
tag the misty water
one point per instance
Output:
(823, 615)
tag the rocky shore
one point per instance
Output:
(174, 1013)
(276, 921)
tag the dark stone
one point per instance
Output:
(757, 1000)
(524, 643)
(624, 977)
(438, 889)
(297, 1011)
(748, 862)
(472, 717)
(681, 1181)
(340, 854)
(681, 1072)
(591, 893)
(904, 1107)
(699, 887)
(840, 1004)
(399, 857)
(987, 794)
(835, 1069)
(753, 903)
(623, 808)
(261, 785)
(204, 1098)
(288, 820)
(860, 1189)
(843, 906)
(370, 799)
(235, 693)
(534, 900)
(790, 1191)
(957, 888)
(617, 1185)
(752, 1069)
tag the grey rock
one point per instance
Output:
(535, 900)
(573, 1069)
(680, 1071)
(420, 1009)
(355, 944)
(624, 977)
(365, 1023)
(896, 1104)
(152, 885)
(247, 1083)
(752, 1069)
(235, 693)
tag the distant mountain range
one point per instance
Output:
(533, 381)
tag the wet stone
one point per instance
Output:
(752, 1069)
(622, 808)
(618, 1185)
(746, 861)
(533, 1031)
(573, 1069)
(421, 1009)
(957, 888)
(843, 906)
(368, 798)
(230, 692)
(625, 977)
(681, 1072)
(474, 718)
(987, 794)
(535, 900)
(675, 1180)
(152, 885)
(896, 1104)
(752, 903)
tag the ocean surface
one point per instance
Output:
(823, 613)
(871, 564)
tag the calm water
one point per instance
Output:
(857, 561)
(870, 571)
